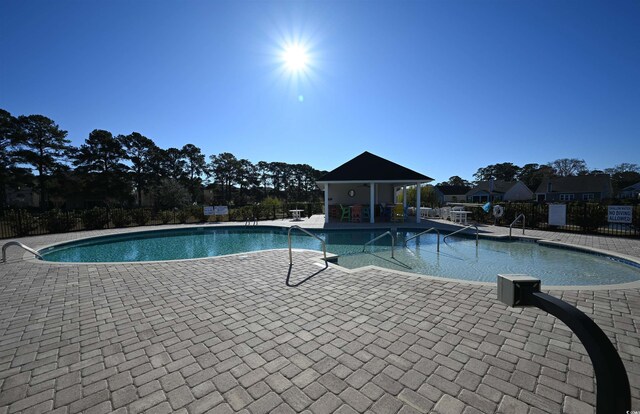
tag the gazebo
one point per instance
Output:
(369, 180)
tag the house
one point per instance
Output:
(451, 193)
(21, 196)
(575, 188)
(368, 180)
(633, 192)
(498, 190)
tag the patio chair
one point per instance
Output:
(366, 214)
(356, 213)
(345, 213)
(398, 213)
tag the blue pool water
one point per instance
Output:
(459, 257)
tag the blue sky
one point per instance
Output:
(442, 87)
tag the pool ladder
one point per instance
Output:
(462, 229)
(424, 232)
(324, 247)
(387, 233)
(17, 243)
(515, 221)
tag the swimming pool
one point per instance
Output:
(459, 257)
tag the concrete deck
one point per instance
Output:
(225, 335)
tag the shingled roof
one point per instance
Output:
(369, 167)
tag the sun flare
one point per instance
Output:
(295, 57)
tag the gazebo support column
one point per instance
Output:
(371, 202)
(418, 202)
(326, 203)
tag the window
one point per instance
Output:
(588, 196)
(567, 197)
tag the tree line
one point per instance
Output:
(125, 170)
(532, 175)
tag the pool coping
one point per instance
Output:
(542, 241)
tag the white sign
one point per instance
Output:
(208, 210)
(557, 214)
(221, 210)
(620, 214)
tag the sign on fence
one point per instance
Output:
(208, 210)
(557, 214)
(221, 210)
(620, 214)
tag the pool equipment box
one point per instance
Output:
(620, 214)
(516, 290)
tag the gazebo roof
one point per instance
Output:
(368, 167)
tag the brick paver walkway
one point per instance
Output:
(226, 335)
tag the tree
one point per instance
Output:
(224, 166)
(171, 163)
(565, 167)
(457, 181)
(623, 175)
(505, 171)
(195, 167)
(100, 160)
(533, 174)
(42, 145)
(9, 160)
(141, 153)
(170, 193)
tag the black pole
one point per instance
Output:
(613, 394)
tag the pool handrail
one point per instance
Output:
(464, 228)
(324, 247)
(424, 232)
(393, 242)
(515, 221)
(17, 243)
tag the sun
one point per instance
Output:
(295, 57)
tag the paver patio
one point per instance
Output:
(226, 335)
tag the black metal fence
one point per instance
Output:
(22, 222)
(589, 218)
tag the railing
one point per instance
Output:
(393, 242)
(515, 221)
(324, 247)
(462, 229)
(16, 243)
(424, 232)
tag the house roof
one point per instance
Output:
(499, 186)
(368, 167)
(452, 189)
(576, 184)
(632, 187)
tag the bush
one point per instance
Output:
(165, 216)
(120, 218)
(95, 219)
(57, 221)
(21, 222)
(198, 213)
(141, 216)
(183, 215)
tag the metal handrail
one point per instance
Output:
(17, 243)
(393, 242)
(515, 221)
(324, 247)
(424, 232)
(464, 228)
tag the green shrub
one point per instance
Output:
(120, 217)
(95, 219)
(57, 221)
(165, 216)
(21, 222)
(141, 216)
(198, 213)
(183, 215)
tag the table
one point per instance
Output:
(296, 214)
(459, 216)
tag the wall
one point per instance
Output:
(338, 194)
(519, 192)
